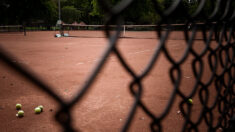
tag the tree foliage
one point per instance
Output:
(70, 14)
(89, 11)
(20, 11)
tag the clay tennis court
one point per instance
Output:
(66, 62)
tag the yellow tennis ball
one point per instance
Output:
(18, 106)
(37, 110)
(20, 113)
(190, 101)
(41, 107)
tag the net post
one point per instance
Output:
(124, 30)
(24, 30)
(61, 29)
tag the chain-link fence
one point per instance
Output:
(221, 57)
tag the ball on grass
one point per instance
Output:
(37, 110)
(18, 106)
(41, 107)
(190, 101)
(20, 113)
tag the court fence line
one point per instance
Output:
(223, 55)
(68, 28)
(13, 28)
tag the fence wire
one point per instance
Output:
(219, 26)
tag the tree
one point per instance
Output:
(96, 10)
(85, 7)
(90, 12)
(69, 14)
(22, 11)
(140, 12)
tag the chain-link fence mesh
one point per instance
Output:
(220, 58)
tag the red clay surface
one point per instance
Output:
(65, 63)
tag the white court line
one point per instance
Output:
(94, 45)
(140, 51)
(188, 77)
(80, 63)
(94, 60)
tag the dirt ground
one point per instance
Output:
(66, 62)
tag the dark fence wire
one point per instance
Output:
(222, 27)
